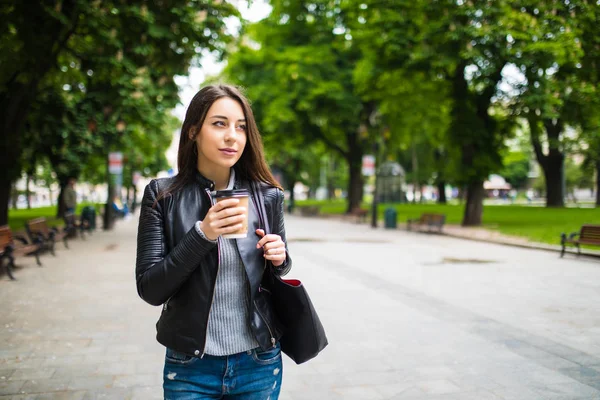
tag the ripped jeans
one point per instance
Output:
(252, 375)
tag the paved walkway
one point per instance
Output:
(409, 316)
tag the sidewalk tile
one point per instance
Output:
(94, 382)
(32, 374)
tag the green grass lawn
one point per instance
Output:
(17, 218)
(535, 223)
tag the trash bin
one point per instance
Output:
(390, 217)
(88, 214)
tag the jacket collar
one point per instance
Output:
(206, 183)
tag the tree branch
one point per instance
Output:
(485, 98)
(74, 24)
(331, 144)
(535, 139)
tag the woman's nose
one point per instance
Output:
(231, 133)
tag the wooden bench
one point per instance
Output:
(588, 234)
(39, 232)
(309, 211)
(430, 221)
(11, 248)
(360, 214)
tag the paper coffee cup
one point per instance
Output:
(242, 195)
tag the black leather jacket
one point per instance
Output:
(177, 268)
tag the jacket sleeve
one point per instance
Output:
(158, 274)
(278, 228)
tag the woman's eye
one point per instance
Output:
(219, 123)
(242, 127)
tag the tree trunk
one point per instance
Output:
(14, 196)
(441, 187)
(109, 220)
(474, 208)
(354, 185)
(552, 163)
(60, 206)
(15, 106)
(4, 196)
(28, 192)
(553, 172)
(330, 181)
(440, 182)
(597, 183)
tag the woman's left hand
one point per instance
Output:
(273, 247)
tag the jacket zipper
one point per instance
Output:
(213, 293)
(273, 341)
(263, 289)
(166, 304)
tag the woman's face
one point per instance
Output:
(222, 137)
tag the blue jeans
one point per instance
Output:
(252, 375)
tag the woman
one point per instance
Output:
(217, 322)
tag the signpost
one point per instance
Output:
(368, 165)
(115, 181)
(115, 162)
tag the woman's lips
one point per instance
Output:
(228, 152)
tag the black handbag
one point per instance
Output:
(303, 334)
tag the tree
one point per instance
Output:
(588, 75)
(549, 42)
(109, 35)
(462, 45)
(298, 69)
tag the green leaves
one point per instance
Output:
(116, 64)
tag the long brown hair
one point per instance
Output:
(251, 166)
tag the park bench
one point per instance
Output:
(12, 246)
(360, 214)
(309, 211)
(430, 221)
(39, 232)
(588, 234)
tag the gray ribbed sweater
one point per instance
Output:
(229, 319)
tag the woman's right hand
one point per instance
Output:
(222, 218)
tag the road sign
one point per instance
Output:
(115, 163)
(368, 165)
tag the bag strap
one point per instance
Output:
(259, 201)
(260, 206)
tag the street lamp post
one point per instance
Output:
(374, 204)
